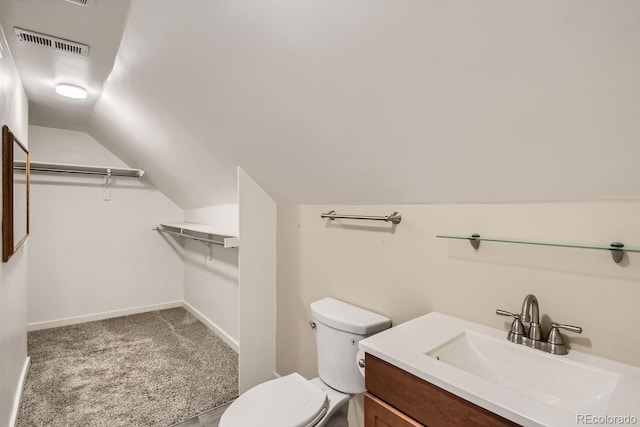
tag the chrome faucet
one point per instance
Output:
(530, 314)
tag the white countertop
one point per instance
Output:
(406, 345)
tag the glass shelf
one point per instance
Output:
(616, 248)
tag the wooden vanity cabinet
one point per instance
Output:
(396, 398)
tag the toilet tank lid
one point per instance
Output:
(348, 318)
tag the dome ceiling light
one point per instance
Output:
(71, 91)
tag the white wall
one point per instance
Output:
(257, 283)
(406, 271)
(13, 274)
(211, 286)
(91, 258)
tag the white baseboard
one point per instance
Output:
(18, 397)
(101, 316)
(135, 310)
(215, 328)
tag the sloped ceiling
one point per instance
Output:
(378, 101)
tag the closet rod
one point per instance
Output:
(42, 167)
(188, 236)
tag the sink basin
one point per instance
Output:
(561, 383)
(524, 385)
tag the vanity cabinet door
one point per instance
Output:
(423, 401)
(379, 414)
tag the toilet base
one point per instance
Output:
(338, 406)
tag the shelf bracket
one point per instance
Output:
(473, 240)
(616, 253)
(210, 246)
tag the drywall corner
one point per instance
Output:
(257, 265)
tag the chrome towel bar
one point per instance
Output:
(394, 217)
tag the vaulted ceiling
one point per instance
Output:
(365, 101)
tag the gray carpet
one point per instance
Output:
(150, 369)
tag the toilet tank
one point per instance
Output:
(339, 329)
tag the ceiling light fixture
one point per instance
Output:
(71, 91)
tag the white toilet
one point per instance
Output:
(293, 401)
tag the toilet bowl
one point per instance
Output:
(292, 400)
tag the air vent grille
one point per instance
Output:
(39, 39)
(86, 3)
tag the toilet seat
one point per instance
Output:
(290, 401)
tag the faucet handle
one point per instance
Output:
(517, 329)
(507, 313)
(555, 341)
(570, 328)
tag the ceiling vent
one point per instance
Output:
(39, 39)
(86, 3)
